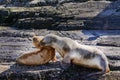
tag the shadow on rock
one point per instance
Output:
(50, 71)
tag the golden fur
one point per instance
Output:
(38, 57)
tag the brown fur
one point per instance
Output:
(39, 57)
(36, 43)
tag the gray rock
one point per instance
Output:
(109, 41)
(12, 46)
(35, 23)
(68, 16)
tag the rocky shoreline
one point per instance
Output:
(14, 43)
(68, 16)
(91, 22)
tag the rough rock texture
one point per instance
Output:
(14, 43)
(58, 17)
(71, 15)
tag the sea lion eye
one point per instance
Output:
(34, 39)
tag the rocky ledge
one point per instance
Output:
(65, 18)
(14, 43)
(71, 15)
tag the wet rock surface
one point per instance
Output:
(14, 43)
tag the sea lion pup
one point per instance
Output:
(73, 52)
(38, 57)
(36, 43)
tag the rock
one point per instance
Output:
(33, 3)
(35, 23)
(18, 42)
(109, 41)
(15, 33)
(3, 15)
(67, 16)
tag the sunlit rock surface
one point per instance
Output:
(68, 15)
(65, 18)
(14, 43)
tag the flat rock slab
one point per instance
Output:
(72, 15)
(109, 41)
(14, 43)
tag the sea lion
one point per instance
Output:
(76, 53)
(41, 56)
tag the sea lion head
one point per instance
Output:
(37, 40)
(49, 40)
